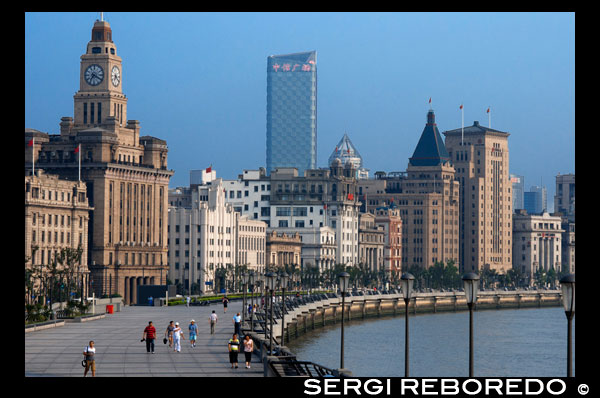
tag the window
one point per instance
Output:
(283, 223)
(84, 114)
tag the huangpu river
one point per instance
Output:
(507, 343)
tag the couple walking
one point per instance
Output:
(234, 348)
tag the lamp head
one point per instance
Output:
(407, 285)
(567, 284)
(471, 285)
(344, 278)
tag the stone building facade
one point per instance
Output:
(371, 237)
(57, 213)
(537, 243)
(481, 159)
(209, 237)
(126, 174)
(426, 197)
(283, 249)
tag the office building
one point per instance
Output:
(564, 198)
(481, 159)
(518, 186)
(292, 111)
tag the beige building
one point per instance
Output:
(426, 197)
(318, 246)
(480, 157)
(251, 237)
(126, 175)
(56, 217)
(283, 249)
(371, 238)
(537, 243)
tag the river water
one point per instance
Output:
(507, 343)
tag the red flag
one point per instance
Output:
(348, 150)
(77, 149)
(460, 106)
(325, 206)
(30, 143)
(350, 196)
(488, 111)
(430, 100)
(336, 149)
(209, 169)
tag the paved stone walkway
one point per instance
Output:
(119, 352)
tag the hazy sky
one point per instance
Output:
(198, 81)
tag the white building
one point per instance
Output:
(205, 236)
(536, 243)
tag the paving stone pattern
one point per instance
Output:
(57, 352)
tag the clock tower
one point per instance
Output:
(100, 92)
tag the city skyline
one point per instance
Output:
(198, 81)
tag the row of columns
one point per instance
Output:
(130, 287)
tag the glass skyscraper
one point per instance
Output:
(292, 111)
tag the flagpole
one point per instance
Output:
(79, 152)
(489, 118)
(33, 156)
(462, 130)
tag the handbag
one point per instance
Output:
(83, 363)
(165, 340)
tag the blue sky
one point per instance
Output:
(198, 80)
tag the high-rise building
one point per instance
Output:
(426, 197)
(518, 185)
(126, 175)
(564, 197)
(480, 156)
(535, 201)
(292, 111)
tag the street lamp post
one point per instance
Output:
(283, 278)
(270, 283)
(471, 284)
(407, 291)
(567, 284)
(244, 287)
(251, 283)
(344, 278)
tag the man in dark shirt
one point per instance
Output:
(149, 335)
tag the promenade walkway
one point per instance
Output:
(57, 352)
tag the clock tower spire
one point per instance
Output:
(100, 93)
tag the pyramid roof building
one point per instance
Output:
(431, 150)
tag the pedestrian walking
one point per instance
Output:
(150, 301)
(90, 363)
(213, 321)
(248, 349)
(193, 328)
(234, 349)
(225, 302)
(177, 336)
(169, 333)
(249, 309)
(237, 323)
(187, 301)
(149, 335)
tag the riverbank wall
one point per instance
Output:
(329, 312)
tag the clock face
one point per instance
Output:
(94, 75)
(115, 76)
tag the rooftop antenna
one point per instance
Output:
(102, 16)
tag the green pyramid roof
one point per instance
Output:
(431, 150)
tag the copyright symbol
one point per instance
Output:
(583, 389)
